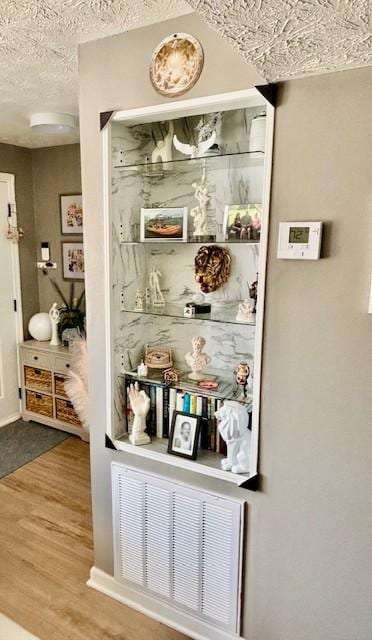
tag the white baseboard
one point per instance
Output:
(9, 419)
(155, 609)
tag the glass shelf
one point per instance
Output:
(225, 314)
(214, 162)
(227, 390)
(190, 241)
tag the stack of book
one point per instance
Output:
(165, 400)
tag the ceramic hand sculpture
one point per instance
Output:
(196, 359)
(140, 403)
(233, 428)
(199, 213)
(54, 316)
(163, 149)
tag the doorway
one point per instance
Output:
(11, 332)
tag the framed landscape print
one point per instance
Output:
(164, 225)
(73, 260)
(71, 209)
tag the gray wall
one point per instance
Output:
(56, 170)
(309, 534)
(18, 161)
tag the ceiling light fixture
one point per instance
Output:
(53, 122)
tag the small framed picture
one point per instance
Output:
(242, 222)
(71, 210)
(184, 435)
(73, 260)
(164, 225)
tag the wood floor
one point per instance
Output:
(46, 554)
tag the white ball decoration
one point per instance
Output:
(40, 327)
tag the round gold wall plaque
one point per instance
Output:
(176, 64)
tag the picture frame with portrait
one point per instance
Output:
(242, 222)
(184, 435)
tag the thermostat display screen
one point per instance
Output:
(299, 235)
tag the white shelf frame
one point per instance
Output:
(195, 106)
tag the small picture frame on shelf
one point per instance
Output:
(168, 224)
(184, 435)
(242, 222)
(71, 211)
(73, 260)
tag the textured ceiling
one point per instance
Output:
(280, 38)
(38, 54)
(284, 38)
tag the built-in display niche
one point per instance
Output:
(187, 228)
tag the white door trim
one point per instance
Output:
(16, 277)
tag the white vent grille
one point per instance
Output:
(179, 544)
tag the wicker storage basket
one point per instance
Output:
(39, 403)
(38, 379)
(59, 385)
(66, 413)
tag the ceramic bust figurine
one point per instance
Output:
(233, 427)
(54, 316)
(140, 403)
(196, 359)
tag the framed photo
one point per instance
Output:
(71, 209)
(164, 225)
(184, 435)
(242, 222)
(73, 260)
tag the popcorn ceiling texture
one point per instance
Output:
(38, 54)
(284, 38)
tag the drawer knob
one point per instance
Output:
(36, 357)
(67, 366)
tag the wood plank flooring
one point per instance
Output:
(46, 553)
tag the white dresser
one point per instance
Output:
(43, 373)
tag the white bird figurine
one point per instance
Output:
(192, 150)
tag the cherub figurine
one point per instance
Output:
(244, 312)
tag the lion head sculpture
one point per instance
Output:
(212, 267)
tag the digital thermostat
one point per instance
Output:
(300, 240)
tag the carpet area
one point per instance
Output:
(9, 630)
(21, 442)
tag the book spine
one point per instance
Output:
(153, 409)
(192, 403)
(186, 403)
(172, 406)
(179, 401)
(159, 412)
(166, 407)
(204, 427)
(213, 424)
(199, 405)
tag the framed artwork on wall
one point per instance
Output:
(184, 435)
(71, 210)
(73, 260)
